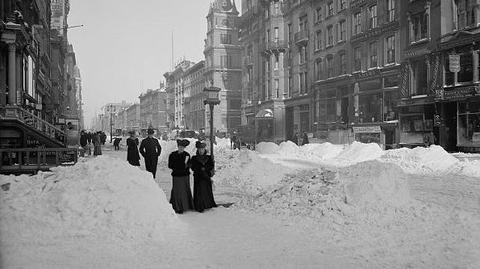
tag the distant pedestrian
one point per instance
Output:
(179, 162)
(150, 149)
(89, 137)
(97, 144)
(116, 143)
(203, 169)
(103, 138)
(83, 143)
(305, 138)
(133, 157)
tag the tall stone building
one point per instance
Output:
(153, 109)
(440, 80)
(223, 63)
(175, 88)
(194, 108)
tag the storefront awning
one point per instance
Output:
(264, 114)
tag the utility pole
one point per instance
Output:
(111, 123)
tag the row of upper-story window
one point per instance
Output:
(364, 57)
(362, 20)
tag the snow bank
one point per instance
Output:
(99, 198)
(357, 152)
(323, 151)
(471, 168)
(361, 192)
(420, 160)
(267, 148)
(248, 171)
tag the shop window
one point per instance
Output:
(370, 107)
(466, 68)
(469, 124)
(391, 81)
(389, 103)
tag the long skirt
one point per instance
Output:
(203, 194)
(97, 150)
(181, 195)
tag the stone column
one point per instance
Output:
(12, 87)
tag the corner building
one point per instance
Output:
(223, 64)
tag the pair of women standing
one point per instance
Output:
(202, 166)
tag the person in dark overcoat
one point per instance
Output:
(179, 162)
(150, 149)
(202, 166)
(305, 138)
(116, 143)
(133, 157)
(97, 146)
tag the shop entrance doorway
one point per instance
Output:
(450, 130)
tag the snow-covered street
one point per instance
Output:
(316, 206)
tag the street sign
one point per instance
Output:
(454, 60)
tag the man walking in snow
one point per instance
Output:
(150, 150)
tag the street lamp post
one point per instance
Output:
(212, 99)
(111, 123)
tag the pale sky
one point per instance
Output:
(125, 46)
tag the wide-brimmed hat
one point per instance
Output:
(200, 144)
(183, 142)
(150, 131)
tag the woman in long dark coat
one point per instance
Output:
(97, 146)
(179, 162)
(202, 167)
(133, 157)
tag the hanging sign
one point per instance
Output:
(454, 60)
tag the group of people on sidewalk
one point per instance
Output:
(180, 162)
(87, 139)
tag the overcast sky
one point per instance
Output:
(125, 46)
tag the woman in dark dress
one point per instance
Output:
(179, 162)
(133, 157)
(202, 167)
(97, 146)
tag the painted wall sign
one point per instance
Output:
(367, 129)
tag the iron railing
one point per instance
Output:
(26, 160)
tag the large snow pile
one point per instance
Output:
(357, 152)
(422, 160)
(471, 168)
(360, 192)
(100, 198)
(248, 171)
(323, 151)
(267, 148)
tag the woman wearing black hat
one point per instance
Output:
(202, 166)
(133, 157)
(179, 162)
